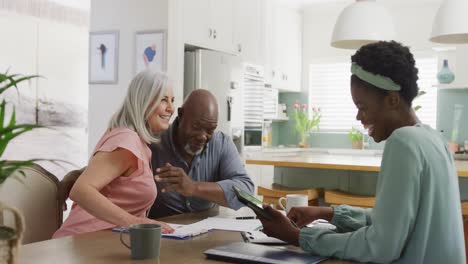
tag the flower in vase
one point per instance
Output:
(304, 123)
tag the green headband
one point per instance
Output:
(377, 80)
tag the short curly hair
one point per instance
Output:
(390, 59)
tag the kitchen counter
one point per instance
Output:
(335, 159)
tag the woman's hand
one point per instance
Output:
(166, 229)
(303, 216)
(279, 226)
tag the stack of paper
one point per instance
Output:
(185, 231)
(229, 224)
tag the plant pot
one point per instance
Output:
(9, 237)
(357, 144)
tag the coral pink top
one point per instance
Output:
(135, 193)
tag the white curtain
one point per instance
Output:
(48, 10)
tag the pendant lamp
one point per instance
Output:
(362, 22)
(451, 23)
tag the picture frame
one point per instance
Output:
(103, 57)
(150, 50)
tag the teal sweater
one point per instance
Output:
(417, 214)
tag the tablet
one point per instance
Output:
(253, 203)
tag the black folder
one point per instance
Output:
(240, 252)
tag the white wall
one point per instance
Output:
(127, 16)
(58, 52)
(413, 23)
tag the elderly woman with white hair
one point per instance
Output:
(117, 188)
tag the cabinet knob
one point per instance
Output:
(214, 34)
(239, 47)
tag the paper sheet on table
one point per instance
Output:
(185, 231)
(229, 224)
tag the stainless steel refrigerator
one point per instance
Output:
(221, 74)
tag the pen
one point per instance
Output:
(245, 217)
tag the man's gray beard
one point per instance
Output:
(190, 152)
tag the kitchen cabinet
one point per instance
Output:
(292, 47)
(260, 175)
(247, 30)
(283, 46)
(208, 24)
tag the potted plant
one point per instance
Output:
(9, 129)
(356, 137)
(304, 123)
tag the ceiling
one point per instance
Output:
(85, 4)
(80, 4)
(303, 3)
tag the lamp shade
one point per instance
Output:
(451, 23)
(362, 22)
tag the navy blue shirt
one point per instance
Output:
(219, 162)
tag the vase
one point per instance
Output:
(453, 146)
(303, 140)
(9, 237)
(358, 144)
(445, 75)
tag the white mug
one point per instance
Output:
(293, 200)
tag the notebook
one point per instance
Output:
(180, 231)
(229, 224)
(252, 253)
(185, 231)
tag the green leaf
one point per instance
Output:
(14, 82)
(12, 129)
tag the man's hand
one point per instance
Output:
(279, 226)
(176, 178)
(66, 184)
(303, 216)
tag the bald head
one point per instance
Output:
(198, 119)
(201, 104)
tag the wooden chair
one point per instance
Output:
(335, 197)
(464, 206)
(35, 195)
(275, 191)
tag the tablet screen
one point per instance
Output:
(249, 197)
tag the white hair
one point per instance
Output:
(146, 89)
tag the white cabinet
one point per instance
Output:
(248, 41)
(208, 24)
(261, 175)
(283, 46)
(292, 47)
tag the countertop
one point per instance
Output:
(337, 159)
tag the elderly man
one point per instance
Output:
(194, 166)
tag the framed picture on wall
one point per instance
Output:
(103, 57)
(150, 50)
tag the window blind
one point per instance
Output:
(253, 95)
(330, 90)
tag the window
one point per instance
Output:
(329, 89)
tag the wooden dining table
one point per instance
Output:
(103, 247)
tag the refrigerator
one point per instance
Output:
(221, 74)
